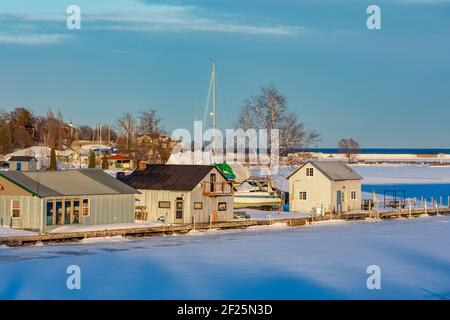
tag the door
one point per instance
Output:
(16, 212)
(19, 166)
(339, 201)
(179, 211)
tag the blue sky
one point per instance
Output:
(386, 88)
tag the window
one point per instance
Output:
(76, 211)
(309, 172)
(15, 206)
(212, 181)
(198, 205)
(67, 211)
(303, 195)
(222, 206)
(353, 195)
(86, 211)
(50, 213)
(59, 212)
(164, 204)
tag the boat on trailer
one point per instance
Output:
(258, 193)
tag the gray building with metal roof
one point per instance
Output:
(44, 200)
(23, 163)
(324, 186)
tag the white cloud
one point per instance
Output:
(163, 18)
(32, 39)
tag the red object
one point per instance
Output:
(118, 157)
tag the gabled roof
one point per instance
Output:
(333, 170)
(79, 182)
(22, 159)
(118, 157)
(168, 177)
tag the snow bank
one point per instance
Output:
(273, 215)
(8, 232)
(104, 239)
(293, 263)
(102, 227)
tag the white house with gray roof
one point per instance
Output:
(44, 200)
(324, 186)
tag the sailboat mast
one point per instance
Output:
(214, 103)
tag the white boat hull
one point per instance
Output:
(256, 200)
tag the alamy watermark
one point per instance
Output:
(236, 146)
(374, 280)
(73, 21)
(73, 281)
(374, 20)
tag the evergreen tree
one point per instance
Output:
(105, 163)
(92, 160)
(5, 140)
(52, 160)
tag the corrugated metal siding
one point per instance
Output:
(105, 209)
(151, 198)
(110, 209)
(31, 211)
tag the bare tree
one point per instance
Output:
(268, 110)
(85, 132)
(149, 123)
(127, 126)
(350, 148)
(53, 131)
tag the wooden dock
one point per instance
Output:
(235, 224)
(143, 231)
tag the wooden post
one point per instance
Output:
(425, 205)
(409, 205)
(210, 220)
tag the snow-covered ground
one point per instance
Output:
(270, 215)
(393, 174)
(321, 261)
(116, 226)
(9, 232)
(376, 174)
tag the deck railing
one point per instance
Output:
(213, 189)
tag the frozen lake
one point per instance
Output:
(321, 261)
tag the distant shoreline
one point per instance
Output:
(389, 151)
